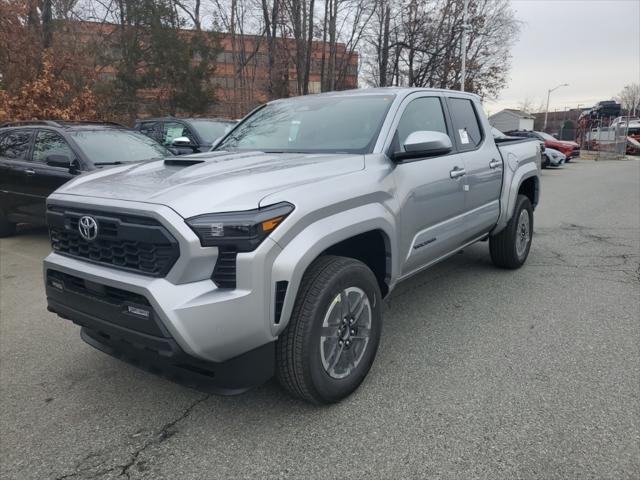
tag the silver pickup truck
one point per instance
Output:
(272, 253)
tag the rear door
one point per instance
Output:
(15, 197)
(47, 178)
(483, 163)
(430, 195)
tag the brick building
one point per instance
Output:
(236, 94)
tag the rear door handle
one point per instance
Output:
(30, 172)
(457, 172)
(494, 163)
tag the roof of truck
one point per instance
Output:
(403, 91)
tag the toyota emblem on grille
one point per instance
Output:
(88, 228)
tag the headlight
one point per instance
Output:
(242, 230)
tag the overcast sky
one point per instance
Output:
(593, 45)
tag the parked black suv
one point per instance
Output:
(185, 135)
(38, 157)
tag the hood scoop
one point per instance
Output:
(186, 162)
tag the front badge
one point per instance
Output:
(88, 228)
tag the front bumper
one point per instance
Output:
(207, 323)
(127, 326)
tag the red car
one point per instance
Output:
(569, 149)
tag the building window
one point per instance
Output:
(314, 87)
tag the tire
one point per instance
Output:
(6, 228)
(510, 247)
(314, 360)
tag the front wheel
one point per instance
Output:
(510, 248)
(332, 338)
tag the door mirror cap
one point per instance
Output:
(181, 142)
(424, 143)
(62, 161)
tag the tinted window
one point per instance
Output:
(210, 130)
(173, 130)
(117, 146)
(465, 123)
(150, 129)
(322, 124)
(15, 144)
(50, 143)
(420, 115)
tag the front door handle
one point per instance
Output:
(494, 163)
(29, 171)
(457, 172)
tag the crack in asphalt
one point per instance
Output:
(164, 433)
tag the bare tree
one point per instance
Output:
(629, 97)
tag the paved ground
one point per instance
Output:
(481, 373)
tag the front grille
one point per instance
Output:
(109, 305)
(105, 293)
(138, 244)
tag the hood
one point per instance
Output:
(212, 181)
(563, 143)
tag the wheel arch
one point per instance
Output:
(525, 180)
(365, 239)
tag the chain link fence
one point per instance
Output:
(605, 139)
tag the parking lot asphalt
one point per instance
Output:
(481, 373)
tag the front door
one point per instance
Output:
(430, 191)
(48, 178)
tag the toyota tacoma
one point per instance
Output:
(271, 254)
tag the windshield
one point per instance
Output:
(210, 130)
(316, 124)
(545, 136)
(117, 146)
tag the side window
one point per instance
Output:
(150, 129)
(173, 130)
(15, 144)
(421, 114)
(466, 127)
(50, 143)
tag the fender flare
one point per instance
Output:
(509, 195)
(294, 259)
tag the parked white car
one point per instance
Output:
(553, 157)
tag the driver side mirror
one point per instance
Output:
(62, 161)
(424, 143)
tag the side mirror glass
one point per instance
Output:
(62, 161)
(424, 143)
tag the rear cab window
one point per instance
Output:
(466, 126)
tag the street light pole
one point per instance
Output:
(463, 49)
(546, 112)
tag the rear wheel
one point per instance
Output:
(6, 227)
(332, 338)
(510, 248)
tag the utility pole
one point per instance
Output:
(463, 49)
(546, 111)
